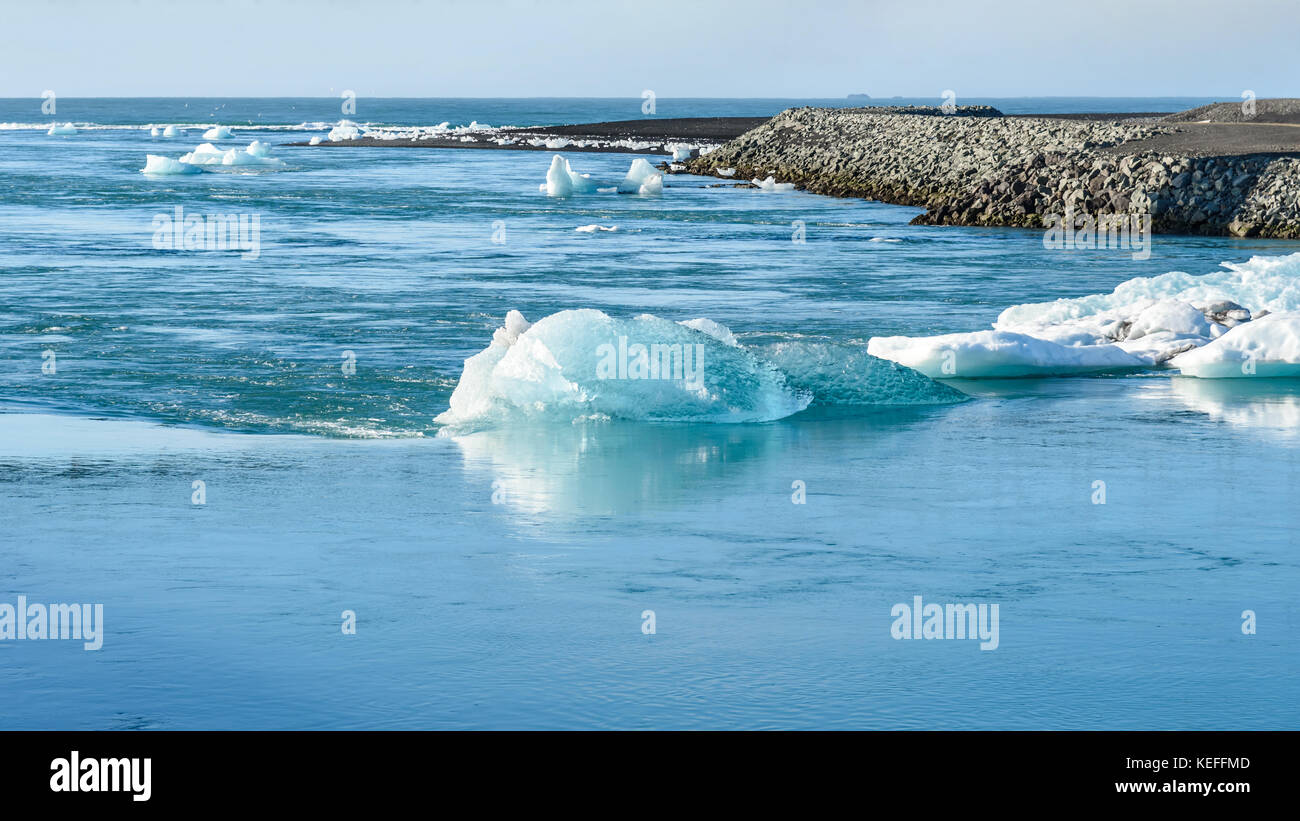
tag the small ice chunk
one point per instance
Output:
(218, 132)
(591, 229)
(162, 166)
(642, 178)
(561, 181)
(726, 172)
(171, 131)
(65, 130)
(770, 184)
(155, 132)
(314, 140)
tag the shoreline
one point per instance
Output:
(1223, 177)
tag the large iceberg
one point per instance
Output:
(1146, 322)
(561, 181)
(642, 178)
(580, 364)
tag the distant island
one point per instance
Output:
(859, 96)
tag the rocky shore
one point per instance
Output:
(980, 168)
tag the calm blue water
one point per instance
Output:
(499, 578)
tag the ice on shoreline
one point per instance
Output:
(1146, 322)
(770, 184)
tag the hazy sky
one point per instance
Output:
(688, 48)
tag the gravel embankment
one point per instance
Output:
(994, 170)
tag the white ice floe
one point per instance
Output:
(345, 130)
(218, 132)
(314, 140)
(171, 131)
(160, 166)
(591, 229)
(258, 153)
(680, 151)
(155, 131)
(1267, 346)
(1172, 320)
(561, 181)
(996, 354)
(770, 184)
(642, 178)
(65, 130)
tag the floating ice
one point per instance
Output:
(583, 363)
(770, 184)
(257, 154)
(1149, 320)
(155, 132)
(314, 141)
(680, 152)
(171, 131)
(160, 166)
(591, 229)
(997, 354)
(561, 181)
(642, 178)
(218, 132)
(1268, 346)
(345, 130)
(65, 130)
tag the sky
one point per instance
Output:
(676, 48)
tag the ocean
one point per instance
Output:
(233, 450)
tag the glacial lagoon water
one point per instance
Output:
(500, 576)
